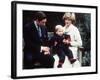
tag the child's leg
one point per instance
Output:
(61, 56)
(69, 53)
(70, 56)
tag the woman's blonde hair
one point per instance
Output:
(69, 15)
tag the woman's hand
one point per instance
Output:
(67, 42)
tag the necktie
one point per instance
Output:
(39, 31)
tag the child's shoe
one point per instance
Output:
(59, 66)
(72, 61)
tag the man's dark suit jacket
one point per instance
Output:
(33, 42)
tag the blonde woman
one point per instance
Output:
(71, 30)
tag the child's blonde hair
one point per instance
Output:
(69, 15)
(57, 27)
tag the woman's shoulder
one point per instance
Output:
(73, 27)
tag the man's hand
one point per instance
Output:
(55, 43)
(47, 53)
(45, 49)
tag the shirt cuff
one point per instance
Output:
(41, 49)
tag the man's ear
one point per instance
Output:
(37, 21)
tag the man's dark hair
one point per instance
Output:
(40, 16)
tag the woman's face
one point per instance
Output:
(68, 22)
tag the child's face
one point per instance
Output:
(67, 22)
(59, 32)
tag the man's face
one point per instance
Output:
(42, 22)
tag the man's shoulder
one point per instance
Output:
(29, 25)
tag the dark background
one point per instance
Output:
(83, 23)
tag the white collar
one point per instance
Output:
(36, 25)
(67, 29)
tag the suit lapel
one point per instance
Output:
(35, 31)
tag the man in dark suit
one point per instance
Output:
(36, 52)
